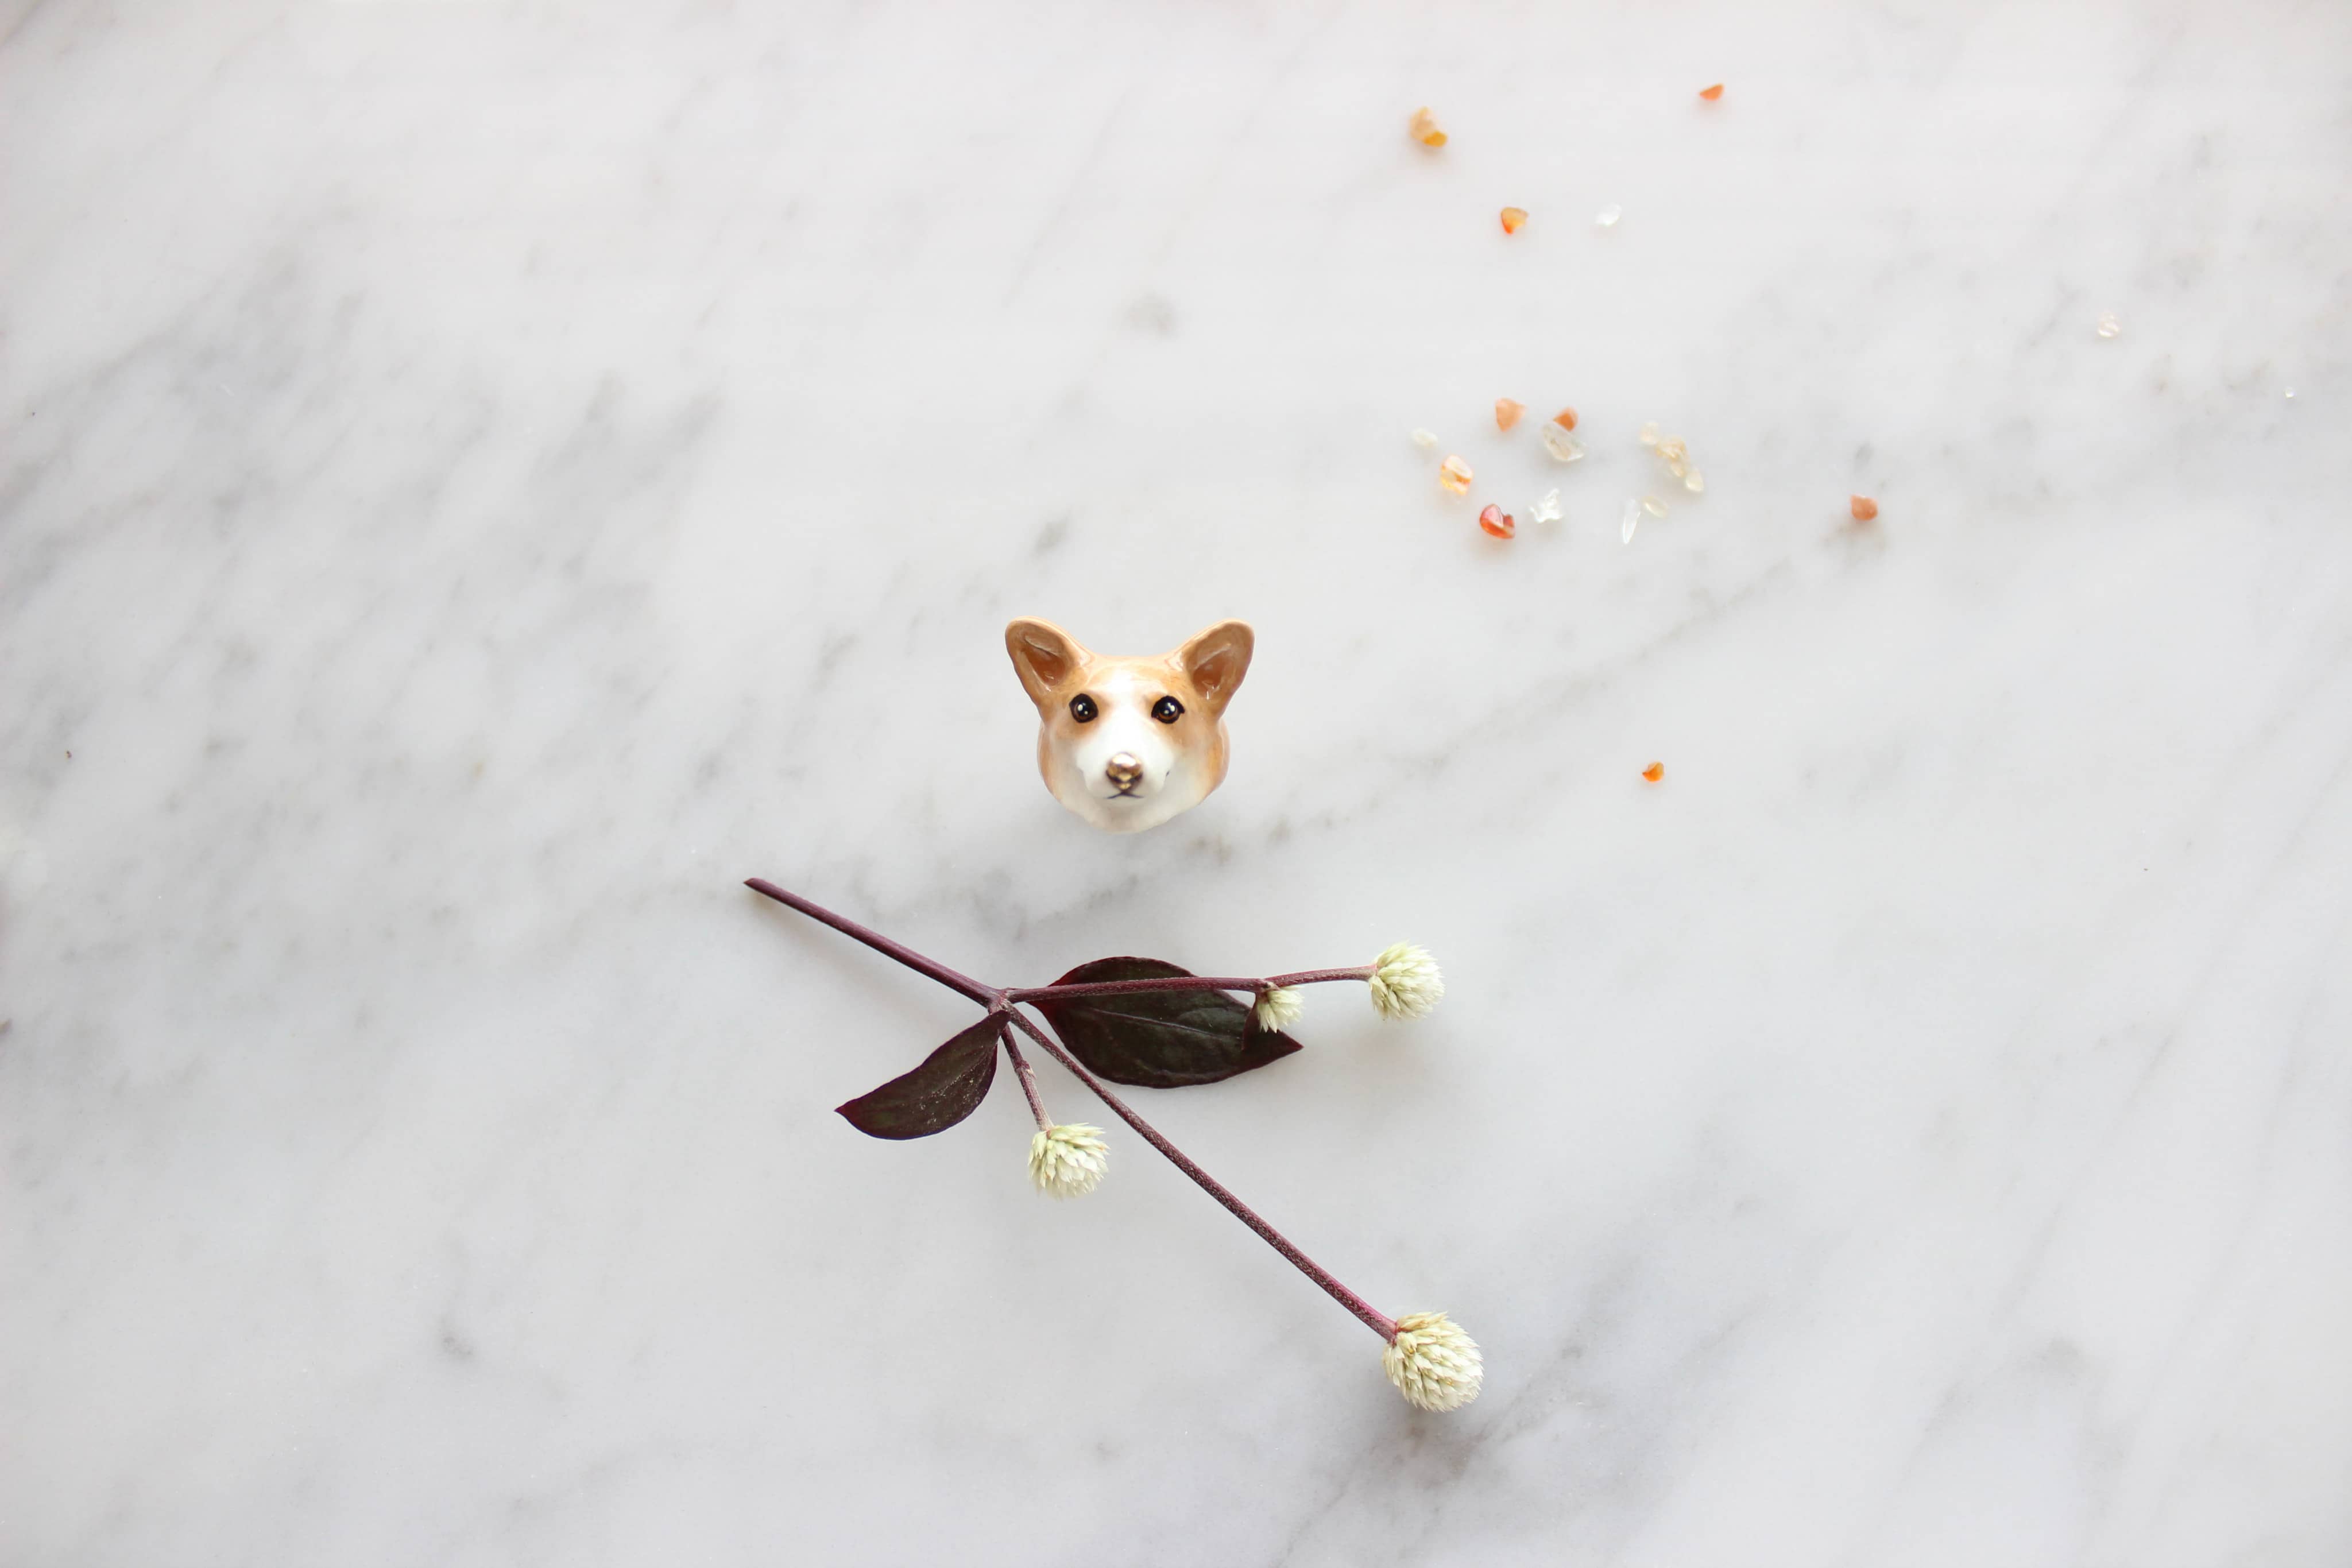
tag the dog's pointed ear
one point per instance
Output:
(1216, 660)
(1044, 656)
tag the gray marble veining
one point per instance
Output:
(478, 480)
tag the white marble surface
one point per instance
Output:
(481, 479)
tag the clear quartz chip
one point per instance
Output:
(1546, 510)
(1695, 481)
(1424, 438)
(1607, 217)
(1630, 520)
(1560, 444)
(1650, 433)
(2108, 326)
(1652, 506)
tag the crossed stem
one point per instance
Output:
(1001, 1002)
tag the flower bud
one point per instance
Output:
(1067, 1161)
(1405, 982)
(1278, 1006)
(1432, 1362)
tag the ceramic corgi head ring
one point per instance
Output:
(1129, 741)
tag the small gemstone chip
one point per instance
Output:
(1424, 128)
(1711, 93)
(1424, 438)
(1864, 508)
(1497, 522)
(1607, 217)
(1454, 474)
(1630, 520)
(1652, 506)
(1560, 444)
(1565, 419)
(1507, 412)
(2108, 326)
(1513, 217)
(1548, 509)
(1676, 456)
(1655, 771)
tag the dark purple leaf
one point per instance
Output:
(1159, 1040)
(944, 1090)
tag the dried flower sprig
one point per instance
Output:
(1141, 1021)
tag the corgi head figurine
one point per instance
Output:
(1129, 741)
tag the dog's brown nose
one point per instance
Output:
(1123, 769)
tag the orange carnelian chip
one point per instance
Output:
(1565, 419)
(1424, 128)
(1655, 771)
(1711, 93)
(1863, 508)
(1512, 218)
(1507, 412)
(1498, 522)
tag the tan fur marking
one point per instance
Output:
(1202, 674)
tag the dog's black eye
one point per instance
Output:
(1082, 709)
(1168, 710)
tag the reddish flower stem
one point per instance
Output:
(1028, 1079)
(996, 1000)
(946, 976)
(1183, 983)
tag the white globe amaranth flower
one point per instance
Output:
(1068, 1161)
(1432, 1362)
(1405, 982)
(1278, 1007)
